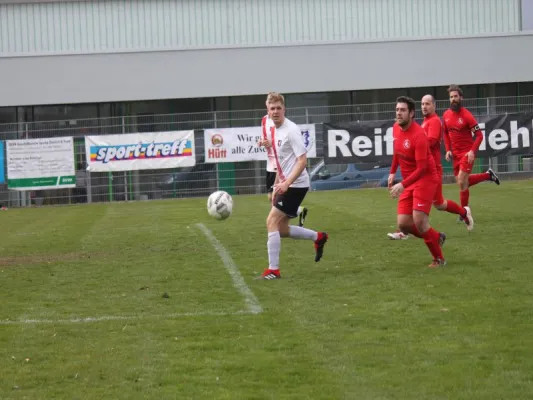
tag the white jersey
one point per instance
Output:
(271, 160)
(287, 145)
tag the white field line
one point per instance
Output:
(80, 320)
(253, 306)
(251, 301)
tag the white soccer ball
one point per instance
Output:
(219, 205)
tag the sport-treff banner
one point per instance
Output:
(136, 151)
(240, 144)
(371, 142)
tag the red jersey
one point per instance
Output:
(433, 127)
(458, 129)
(411, 153)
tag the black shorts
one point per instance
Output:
(270, 179)
(289, 201)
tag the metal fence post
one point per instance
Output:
(307, 122)
(125, 172)
(216, 165)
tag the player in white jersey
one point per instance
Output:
(285, 141)
(270, 178)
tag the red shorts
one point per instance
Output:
(418, 197)
(439, 198)
(460, 162)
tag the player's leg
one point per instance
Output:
(464, 193)
(442, 204)
(269, 182)
(289, 205)
(474, 179)
(276, 220)
(406, 224)
(456, 169)
(463, 178)
(302, 213)
(405, 214)
(423, 196)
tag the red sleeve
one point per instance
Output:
(421, 157)
(479, 138)
(394, 166)
(432, 142)
(447, 142)
(476, 131)
(434, 130)
(263, 126)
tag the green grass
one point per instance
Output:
(370, 321)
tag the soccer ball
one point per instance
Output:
(219, 205)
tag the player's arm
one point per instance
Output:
(447, 141)
(476, 131)
(434, 133)
(393, 169)
(263, 140)
(421, 157)
(394, 165)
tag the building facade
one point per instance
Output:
(81, 59)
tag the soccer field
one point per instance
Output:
(156, 300)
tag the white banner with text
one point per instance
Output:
(240, 144)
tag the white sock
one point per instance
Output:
(273, 246)
(297, 232)
(300, 209)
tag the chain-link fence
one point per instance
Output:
(203, 178)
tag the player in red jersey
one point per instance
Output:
(433, 128)
(459, 126)
(420, 180)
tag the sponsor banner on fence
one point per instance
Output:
(240, 144)
(136, 151)
(371, 142)
(35, 164)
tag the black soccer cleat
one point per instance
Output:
(319, 245)
(493, 177)
(442, 238)
(303, 214)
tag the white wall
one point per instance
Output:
(527, 14)
(244, 71)
(148, 25)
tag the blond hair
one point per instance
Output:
(275, 97)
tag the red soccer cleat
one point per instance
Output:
(319, 245)
(437, 263)
(270, 274)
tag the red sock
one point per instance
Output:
(477, 178)
(454, 208)
(415, 232)
(464, 195)
(431, 239)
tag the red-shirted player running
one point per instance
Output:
(433, 127)
(420, 179)
(459, 126)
